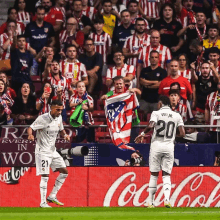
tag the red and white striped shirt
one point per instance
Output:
(24, 17)
(182, 110)
(213, 105)
(124, 71)
(164, 55)
(135, 46)
(76, 98)
(45, 106)
(150, 8)
(5, 54)
(102, 43)
(61, 83)
(186, 74)
(89, 12)
(72, 71)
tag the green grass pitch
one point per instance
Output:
(109, 213)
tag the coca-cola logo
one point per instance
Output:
(190, 192)
(13, 174)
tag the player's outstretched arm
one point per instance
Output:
(30, 135)
(140, 138)
(182, 131)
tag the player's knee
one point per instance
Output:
(64, 171)
(165, 173)
(154, 173)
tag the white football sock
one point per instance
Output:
(166, 187)
(43, 188)
(58, 183)
(152, 188)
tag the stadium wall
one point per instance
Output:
(112, 186)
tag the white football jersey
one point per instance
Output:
(164, 133)
(47, 129)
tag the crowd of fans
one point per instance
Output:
(78, 47)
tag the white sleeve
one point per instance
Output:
(39, 123)
(153, 117)
(180, 121)
(61, 123)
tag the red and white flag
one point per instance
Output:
(118, 111)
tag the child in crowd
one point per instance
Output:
(78, 98)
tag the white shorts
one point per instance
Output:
(161, 161)
(45, 161)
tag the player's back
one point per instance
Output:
(164, 133)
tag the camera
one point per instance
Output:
(79, 151)
(134, 161)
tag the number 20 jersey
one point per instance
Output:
(164, 133)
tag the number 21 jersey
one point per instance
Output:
(164, 133)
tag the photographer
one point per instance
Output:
(136, 160)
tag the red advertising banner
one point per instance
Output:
(113, 186)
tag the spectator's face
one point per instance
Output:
(55, 68)
(77, 6)
(205, 70)
(13, 15)
(155, 38)
(133, 8)
(98, 26)
(200, 18)
(49, 52)
(3, 77)
(167, 12)
(81, 88)
(2, 87)
(174, 67)
(40, 15)
(56, 110)
(125, 18)
(89, 46)
(46, 4)
(71, 52)
(84, 2)
(182, 61)
(213, 33)
(25, 89)
(188, 4)
(71, 24)
(118, 58)
(21, 43)
(47, 88)
(21, 4)
(213, 57)
(107, 7)
(11, 27)
(174, 99)
(119, 86)
(154, 58)
(140, 27)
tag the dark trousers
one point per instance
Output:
(85, 133)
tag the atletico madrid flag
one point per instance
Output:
(119, 110)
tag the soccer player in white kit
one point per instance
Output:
(48, 126)
(161, 157)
